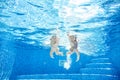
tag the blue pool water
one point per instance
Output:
(27, 25)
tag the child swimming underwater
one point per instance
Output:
(54, 42)
(73, 46)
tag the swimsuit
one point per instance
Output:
(74, 46)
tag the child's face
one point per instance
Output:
(53, 37)
(72, 37)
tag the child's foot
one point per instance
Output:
(51, 56)
(61, 54)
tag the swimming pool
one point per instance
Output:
(27, 25)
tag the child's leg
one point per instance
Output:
(58, 52)
(71, 50)
(78, 55)
(51, 53)
(68, 55)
